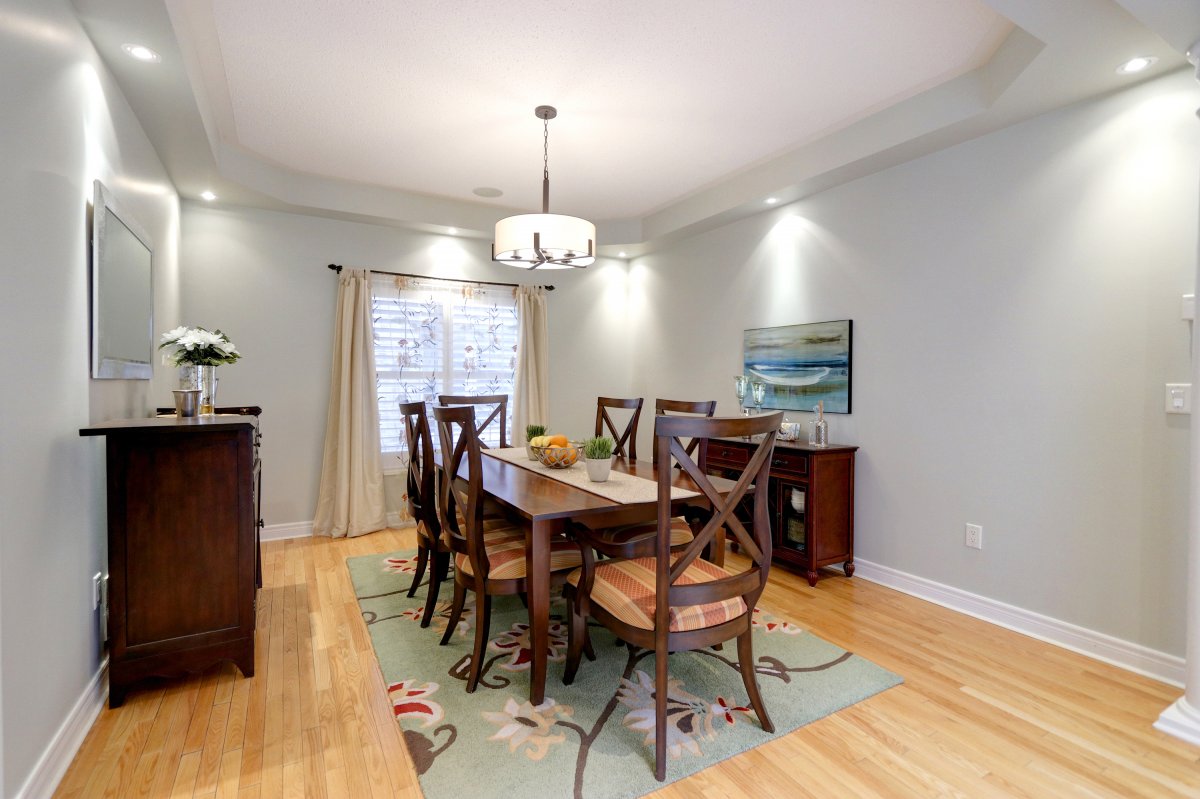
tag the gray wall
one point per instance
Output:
(261, 277)
(65, 124)
(1016, 307)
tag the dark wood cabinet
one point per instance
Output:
(810, 496)
(182, 545)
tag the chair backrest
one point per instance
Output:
(460, 499)
(422, 497)
(666, 407)
(499, 414)
(627, 439)
(755, 543)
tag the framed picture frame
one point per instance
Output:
(801, 365)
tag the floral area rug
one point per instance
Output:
(595, 738)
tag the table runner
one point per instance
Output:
(620, 487)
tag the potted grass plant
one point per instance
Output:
(532, 431)
(598, 454)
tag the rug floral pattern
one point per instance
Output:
(593, 739)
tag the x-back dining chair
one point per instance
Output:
(666, 407)
(499, 414)
(489, 560)
(626, 440)
(671, 602)
(422, 505)
(638, 540)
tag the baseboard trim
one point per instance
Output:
(57, 757)
(1181, 720)
(1133, 657)
(278, 532)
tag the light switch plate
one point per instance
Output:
(1189, 306)
(1179, 398)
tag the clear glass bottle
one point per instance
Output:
(818, 428)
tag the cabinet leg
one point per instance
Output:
(812, 578)
(245, 662)
(849, 567)
(116, 695)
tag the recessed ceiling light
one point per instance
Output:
(452, 231)
(1136, 64)
(487, 191)
(141, 52)
(772, 200)
(621, 254)
(208, 195)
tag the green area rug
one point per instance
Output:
(593, 739)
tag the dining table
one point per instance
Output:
(546, 505)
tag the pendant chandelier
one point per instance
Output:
(545, 240)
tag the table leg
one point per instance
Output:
(537, 569)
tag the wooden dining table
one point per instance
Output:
(546, 505)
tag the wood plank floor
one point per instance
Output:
(983, 711)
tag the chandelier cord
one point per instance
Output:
(546, 148)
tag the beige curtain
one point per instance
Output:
(531, 385)
(350, 501)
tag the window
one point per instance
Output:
(439, 337)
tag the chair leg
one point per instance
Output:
(746, 662)
(456, 609)
(483, 619)
(437, 573)
(422, 560)
(576, 642)
(660, 706)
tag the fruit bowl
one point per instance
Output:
(557, 457)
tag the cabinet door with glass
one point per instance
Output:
(791, 512)
(810, 500)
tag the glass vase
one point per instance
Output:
(204, 378)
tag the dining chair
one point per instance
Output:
(673, 602)
(626, 440)
(487, 560)
(637, 540)
(666, 407)
(422, 505)
(499, 414)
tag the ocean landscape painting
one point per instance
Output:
(801, 365)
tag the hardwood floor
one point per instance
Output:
(983, 711)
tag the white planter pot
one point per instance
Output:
(598, 469)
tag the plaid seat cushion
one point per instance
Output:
(681, 533)
(506, 554)
(625, 588)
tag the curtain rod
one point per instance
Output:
(338, 268)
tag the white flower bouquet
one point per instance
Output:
(195, 345)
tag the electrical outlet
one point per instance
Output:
(974, 536)
(96, 591)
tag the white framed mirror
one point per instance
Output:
(122, 292)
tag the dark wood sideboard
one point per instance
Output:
(182, 545)
(810, 499)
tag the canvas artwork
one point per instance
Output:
(801, 365)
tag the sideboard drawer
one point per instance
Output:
(787, 460)
(730, 454)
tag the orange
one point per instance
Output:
(559, 441)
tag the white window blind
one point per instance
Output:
(439, 337)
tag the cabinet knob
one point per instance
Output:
(778, 462)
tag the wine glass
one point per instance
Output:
(759, 391)
(739, 388)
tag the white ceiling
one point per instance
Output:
(656, 99)
(674, 115)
